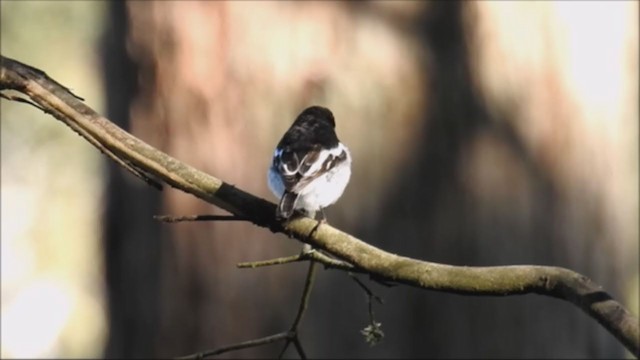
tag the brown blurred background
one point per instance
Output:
(483, 133)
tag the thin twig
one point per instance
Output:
(23, 100)
(315, 255)
(284, 349)
(373, 332)
(318, 256)
(110, 154)
(331, 263)
(304, 302)
(290, 336)
(299, 348)
(243, 345)
(270, 262)
(172, 219)
(113, 156)
(364, 287)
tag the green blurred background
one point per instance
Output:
(52, 188)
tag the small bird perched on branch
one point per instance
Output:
(310, 167)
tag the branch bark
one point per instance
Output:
(121, 146)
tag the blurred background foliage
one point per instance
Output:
(483, 133)
(52, 189)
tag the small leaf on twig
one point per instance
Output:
(373, 333)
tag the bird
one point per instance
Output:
(310, 168)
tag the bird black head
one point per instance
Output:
(317, 113)
(314, 127)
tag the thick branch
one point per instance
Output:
(500, 280)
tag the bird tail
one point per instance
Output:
(287, 203)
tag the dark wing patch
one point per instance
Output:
(286, 205)
(309, 159)
(289, 163)
(329, 163)
(333, 161)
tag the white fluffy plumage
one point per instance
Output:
(322, 191)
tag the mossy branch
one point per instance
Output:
(147, 163)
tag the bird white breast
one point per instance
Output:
(326, 189)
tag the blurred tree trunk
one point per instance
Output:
(133, 243)
(458, 158)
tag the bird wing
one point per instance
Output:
(296, 174)
(315, 164)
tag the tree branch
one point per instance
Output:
(556, 282)
(172, 219)
(243, 345)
